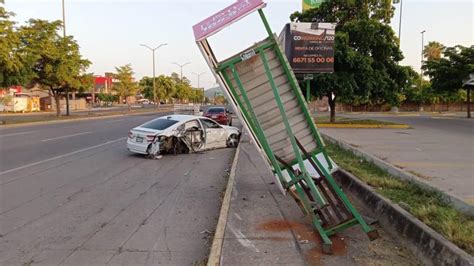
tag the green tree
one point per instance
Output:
(56, 61)
(197, 95)
(183, 92)
(448, 72)
(86, 83)
(107, 98)
(367, 53)
(176, 77)
(126, 85)
(419, 90)
(14, 67)
(166, 87)
(146, 88)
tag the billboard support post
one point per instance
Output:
(308, 78)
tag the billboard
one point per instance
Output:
(309, 47)
(309, 4)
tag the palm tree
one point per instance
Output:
(433, 50)
(165, 87)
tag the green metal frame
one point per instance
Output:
(319, 201)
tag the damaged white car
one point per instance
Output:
(175, 134)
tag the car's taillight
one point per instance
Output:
(130, 135)
(150, 138)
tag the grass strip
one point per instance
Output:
(351, 121)
(427, 206)
(48, 117)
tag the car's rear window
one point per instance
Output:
(159, 124)
(215, 110)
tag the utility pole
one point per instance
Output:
(153, 53)
(422, 51)
(199, 77)
(64, 36)
(181, 69)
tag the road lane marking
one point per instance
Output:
(16, 134)
(114, 121)
(60, 156)
(68, 136)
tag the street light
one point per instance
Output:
(181, 67)
(400, 21)
(64, 20)
(153, 52)
(64, 36)
(422, 50)
(199, 77)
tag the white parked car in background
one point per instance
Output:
(180, 134)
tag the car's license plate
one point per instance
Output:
(214, 116)
(139, 139)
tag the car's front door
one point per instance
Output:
(215, 134)
(194, 135)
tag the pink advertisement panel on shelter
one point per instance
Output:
(225, 17)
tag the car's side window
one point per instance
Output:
(209, 124)
(194, 124)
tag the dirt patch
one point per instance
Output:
(279, 225)
(308, 238)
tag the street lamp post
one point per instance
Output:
(199, 78)
(64, 20)
(181, 69)
(64, 36)
(400, 21)
(153, 53)
(422, 50)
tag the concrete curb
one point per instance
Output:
(327, 125)
(399, 173)
(429, 245)
(78, 119)
(218, 240)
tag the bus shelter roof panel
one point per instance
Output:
(225, 17)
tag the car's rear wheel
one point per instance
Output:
(148, 152)
(233, 141)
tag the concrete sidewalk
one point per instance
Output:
(265, 227)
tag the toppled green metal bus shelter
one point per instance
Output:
(263, 90)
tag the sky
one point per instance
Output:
(110, 32)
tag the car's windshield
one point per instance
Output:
(159, 124)
(215, 110)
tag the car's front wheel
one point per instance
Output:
(233, 141)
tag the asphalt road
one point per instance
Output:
(438, 149)
(71, 193)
